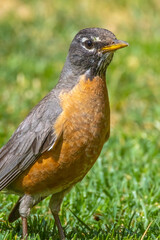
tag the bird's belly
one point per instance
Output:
(85, 127)
(59, 169)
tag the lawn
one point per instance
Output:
(120, 197)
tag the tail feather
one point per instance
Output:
(14, 214)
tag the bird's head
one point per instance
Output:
(92, 49)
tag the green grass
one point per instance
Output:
(120, 196)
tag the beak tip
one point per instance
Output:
(127, 44)
(123, 43)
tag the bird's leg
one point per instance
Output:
(26, 202)
(24, 227)
(54, 205)
(59, 226)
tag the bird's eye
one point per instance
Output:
(88, 44)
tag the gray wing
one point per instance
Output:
(33, 136)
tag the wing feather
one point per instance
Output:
(33, 136)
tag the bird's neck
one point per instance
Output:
(70, 75)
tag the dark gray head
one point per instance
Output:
(90, 52)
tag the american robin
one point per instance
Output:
(61, 138)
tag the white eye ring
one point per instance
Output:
(88, 44)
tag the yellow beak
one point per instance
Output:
(114, 46)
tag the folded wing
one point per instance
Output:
(34, 136)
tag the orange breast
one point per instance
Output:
(85, 124)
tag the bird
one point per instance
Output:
(62, 137)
